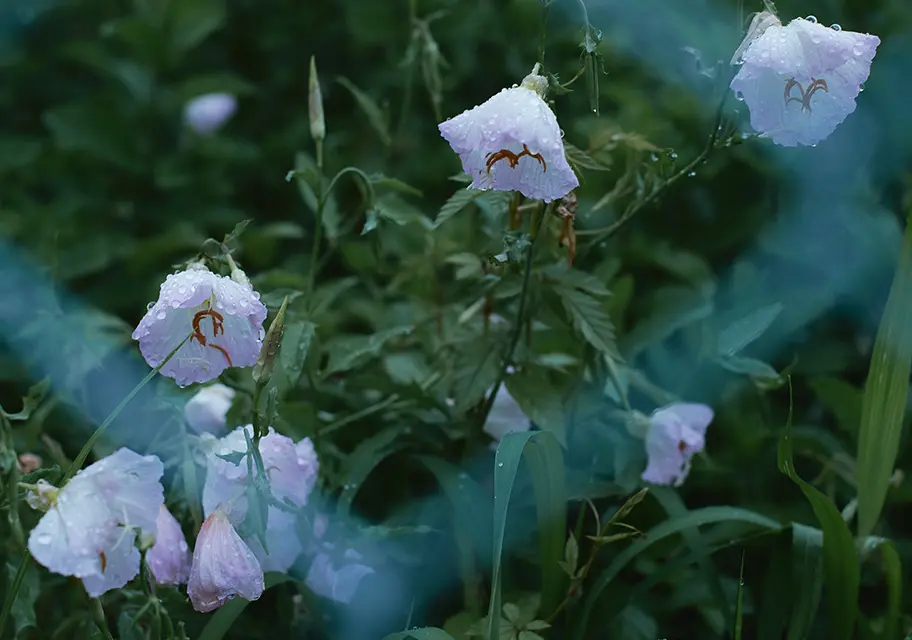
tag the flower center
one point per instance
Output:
(217, 326)
(806, 94)
(513, 158)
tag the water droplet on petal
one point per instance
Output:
(161, 315)
(739, 96)
(812, 19)
(861, 87)
(175, 304)
(835, 27)
(149, 306)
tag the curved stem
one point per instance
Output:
(87, 447)
(318, 230)
(604, 233)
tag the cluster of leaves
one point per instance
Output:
(719, 287)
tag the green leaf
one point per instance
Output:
(885, 396)
(36, 394)
(457, 202)
(380, 180)
(17, 152)
(807, 578)
(739, 607)
(23, 611)
(476, 369)
(425, 633)
(842, 399)
(49, 474)
(741, 333)
(892, 568)
(226, 616)
(295, 344)
(841, 569)
(696, 518)
(375, 115)
(348, 352)
(310, 183)
(547, 468)
(393, 208)
(192, 21)
(539, 400)
(756, 369)
(590, 319)
(364, 459)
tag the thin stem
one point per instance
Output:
(603, 233)
(14, 590)
(363, 413)
(90, 443)
(535, 228)
(101, 622)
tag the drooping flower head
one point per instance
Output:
(92, 522)
(292, 471)
(169, 557)
(337, 581)
(207, 113)
(205, 412)
(800, 81)
(676, 433)
(512, 142)
(223, 566)
(223, 317)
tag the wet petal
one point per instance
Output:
(120, 565)
(676, 433)
(205, 412)
(169, 557)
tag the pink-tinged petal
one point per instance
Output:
(130, 484)
(506, 416)
(800, 81)
(339, 584)
(206, 411)
(676, 433)
(169, 557)
(119, 566)
(223, 566)
(207, 113)
(512, 142)
(223, 318)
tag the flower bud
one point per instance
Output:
(206, 411)
(29, 462)
(41, 496)
(265, 363)
(169, 557)
(315, 104)
(207, 113)
(223, 566)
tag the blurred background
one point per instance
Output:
(105, 188)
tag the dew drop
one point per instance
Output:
(500, 464)
(43, 538)
(674, 155)
(691, 174)
(835, 27)
(161, 315)
(812, 19)
(182, 289)
(175, 304)
(739, 96)
(861, 87)
(149, 306)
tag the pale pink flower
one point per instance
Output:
(223, 566)
(207, 113)
(223, 318)
(337, 582)
(206, 411)
(512, 142)
(506, 416)
(800, 81)
(292, 470)
(676, 433)
(92, 522)
(169, 557)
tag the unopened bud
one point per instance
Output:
(265, 363)
(315, 104)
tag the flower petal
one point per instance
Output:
(120, 565)
(169, 557)
(206, 411)
(130, 483)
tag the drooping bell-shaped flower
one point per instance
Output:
(223, 317)
(800, 81)
(223, 566)
(292, 471)
(512, 142)
(169, 557)
(207, 113)
(336, 581)
(92, 522)
(506, 416)
(676, 433)
(206, 411)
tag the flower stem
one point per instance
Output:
(603, 233)
(535, 227)
(14, 590)
(90, 443)
(98, 615)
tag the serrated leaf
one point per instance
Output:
(571, 555)
(590, 319)
(347, 352)
(475, 370)
(375, 115)
(579, 159)
(741, 333)
(457, 202)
